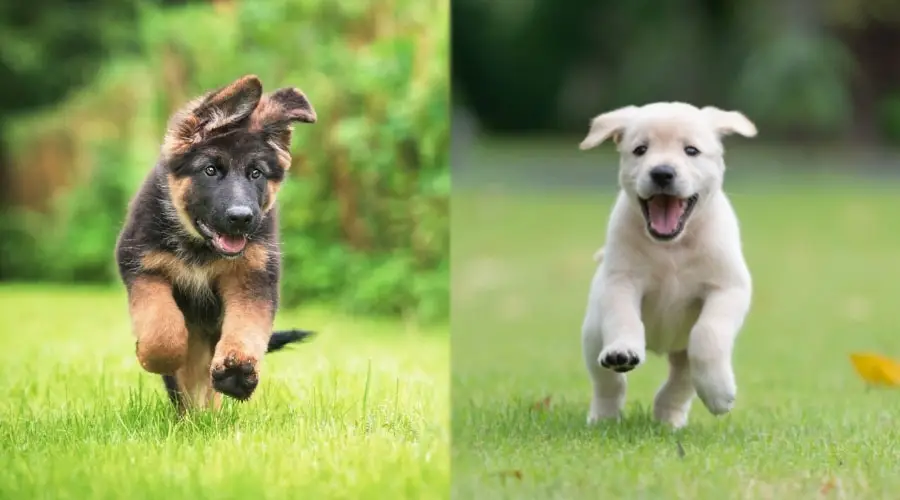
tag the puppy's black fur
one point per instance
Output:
(199, 252)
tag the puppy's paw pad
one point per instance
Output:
(235, 376)
(620, 359)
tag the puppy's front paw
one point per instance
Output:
(163, 351)
(621, 357)
(715, 386)
(235, 374)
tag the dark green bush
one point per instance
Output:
(365, 212)
(889, 117)
(800, 70)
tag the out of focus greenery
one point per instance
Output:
(365, 214)
(802, 69)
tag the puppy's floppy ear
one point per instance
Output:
(729, 122)
(608, 124)
(275, 116)
(215, 110)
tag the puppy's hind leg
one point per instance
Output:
(191, 386)
(673, 400)
(609, 387)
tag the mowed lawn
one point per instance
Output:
(361, 411)
(825, 257)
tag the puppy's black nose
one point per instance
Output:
(662, 175)
(239, 217)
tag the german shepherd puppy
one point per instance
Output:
(199, 252)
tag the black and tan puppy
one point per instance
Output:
(199, 253)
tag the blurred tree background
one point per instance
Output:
(804, 70)
(88, 86)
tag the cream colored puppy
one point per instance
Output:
(671, 277)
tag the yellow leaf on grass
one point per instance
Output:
(876, 369)
(542, 405)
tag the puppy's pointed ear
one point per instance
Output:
(275, 116)
(610, 124)
(282, 108)
(213, 111)
(729, 122)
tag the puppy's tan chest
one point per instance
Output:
(197, 280)
(670, 306)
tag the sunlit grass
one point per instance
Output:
(361, 411)
(824, 257)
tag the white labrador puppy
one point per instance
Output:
(671, 277)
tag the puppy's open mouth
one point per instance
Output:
(225, 244)
(666, 215)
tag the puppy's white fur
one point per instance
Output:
(686, 297)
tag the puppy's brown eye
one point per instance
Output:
(640, 150)
(210, 171)
(691, 151)
(255, 173)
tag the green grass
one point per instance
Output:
(825, 258)
(361, 411)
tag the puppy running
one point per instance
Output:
(671, 277)
(199, 252)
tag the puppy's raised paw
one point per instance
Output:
(715, 386)
(718, 404)
(621, 358)
(235, 375)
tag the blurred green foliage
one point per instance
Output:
(802, 69)
(364, 217)
(69, 37)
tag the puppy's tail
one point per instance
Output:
(282, 338)
(598, 255)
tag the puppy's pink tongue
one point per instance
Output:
(665, 211)
(231, 244)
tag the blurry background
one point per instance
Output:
(804, 69)
(816, 192)
(87, 88)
